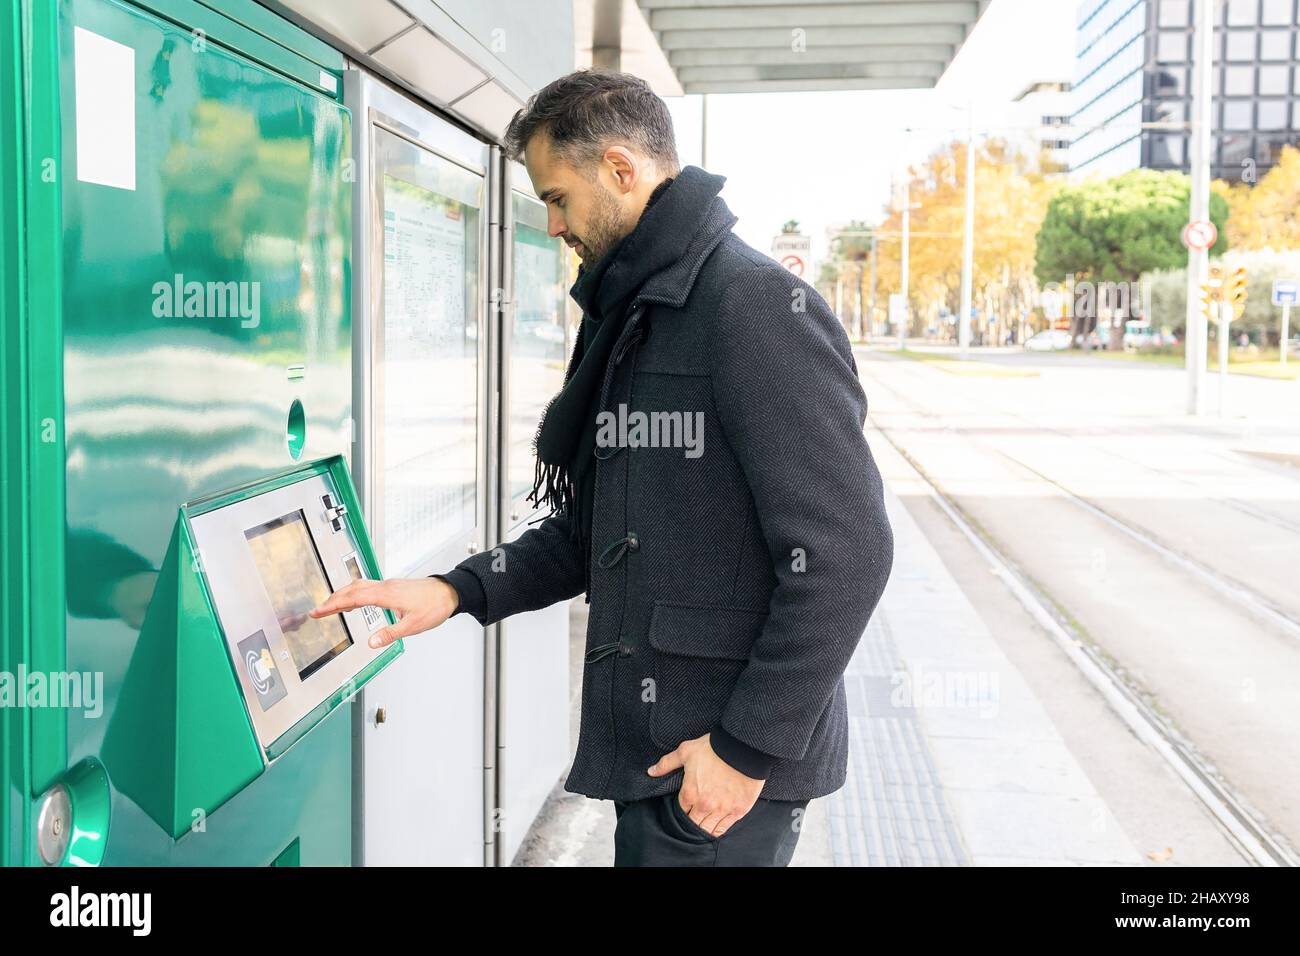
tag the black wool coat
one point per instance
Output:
(731, 581)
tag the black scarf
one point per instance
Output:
(566, 436)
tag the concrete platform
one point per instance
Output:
(953, 760)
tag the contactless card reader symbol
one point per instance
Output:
(261, 669)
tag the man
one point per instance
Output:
(710, 489)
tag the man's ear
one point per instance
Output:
(624, 168)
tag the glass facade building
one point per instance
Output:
(1107, 93)
(1134, 67)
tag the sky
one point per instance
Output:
(826, 158)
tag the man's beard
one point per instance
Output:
(605, 227)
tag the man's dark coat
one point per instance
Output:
(728, 591)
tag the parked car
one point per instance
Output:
(1138, 334)
(1048, 340)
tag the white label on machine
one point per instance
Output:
(105, 108)
(374, 617)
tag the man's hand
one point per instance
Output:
(714, 794)
(420, 604)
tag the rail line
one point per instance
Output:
(1244, 827)
(1258, 605)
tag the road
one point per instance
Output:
(1168, 544)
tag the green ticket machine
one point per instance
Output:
(177, 373)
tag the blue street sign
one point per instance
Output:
(1286, 291)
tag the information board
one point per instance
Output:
(430, 354)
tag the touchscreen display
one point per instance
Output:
(291, 570)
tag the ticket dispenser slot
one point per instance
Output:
(236, 670)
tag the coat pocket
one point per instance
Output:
(700, 652)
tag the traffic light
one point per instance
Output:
(1209, 302)
(1235, 292)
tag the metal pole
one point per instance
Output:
(907, 229)
(968, 239)
(1198, 260)
(872, 315)
(1225, 317)
(704, 134)
(607, 34)
(857, 304)
(1286, 330)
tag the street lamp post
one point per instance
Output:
(857, 304)
(1198, 259)
(871, 316)
(968, 238)
(907, 235)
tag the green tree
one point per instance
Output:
(1113, 230)
(846, 269)
(853, 242)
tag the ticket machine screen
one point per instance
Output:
(291, 569)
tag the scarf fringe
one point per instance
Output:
(558, 493)
(555, 486)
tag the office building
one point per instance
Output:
(1132, 88)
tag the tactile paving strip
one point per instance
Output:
(891, 809)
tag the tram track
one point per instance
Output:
(1258, 605)
(1245, 828)
(1251, 601)
(1247, 508)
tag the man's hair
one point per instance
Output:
(584, 112)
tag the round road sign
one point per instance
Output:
(1200, 234)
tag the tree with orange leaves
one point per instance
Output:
(1011, 196)
(1263, 216)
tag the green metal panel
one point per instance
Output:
(180, 694)
(126, 411)
(14, 436)
(292, 856)
(258, 34)
(42, 423)
(180, 690)
(274, 27)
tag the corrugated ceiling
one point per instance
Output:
(759, 46)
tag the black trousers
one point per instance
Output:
(657, 831)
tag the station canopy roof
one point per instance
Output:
(764, 46)
(678, 46)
